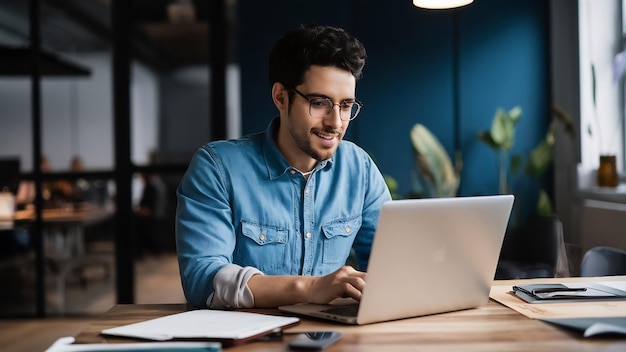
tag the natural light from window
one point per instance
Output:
(602, 118)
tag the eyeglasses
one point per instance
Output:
(320, 107)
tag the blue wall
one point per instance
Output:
(409, 75)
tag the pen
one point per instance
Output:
(558, 289)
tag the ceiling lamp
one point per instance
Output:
(441, 4)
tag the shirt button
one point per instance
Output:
(262, 237)
(308, 235)
(348, 229)
(293, 172)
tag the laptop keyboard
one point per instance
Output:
(348, 310)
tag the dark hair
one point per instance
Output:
(310, 45)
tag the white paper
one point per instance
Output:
(620, 285)
(205, 323)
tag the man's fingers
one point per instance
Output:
(353, 285)
(350, 290)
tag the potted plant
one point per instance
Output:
(533, 247)
(501, 138)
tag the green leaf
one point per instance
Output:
(503, 127)
(392, 185)
(485, 137)
(540, 159)
(515, 114)
(516, 163)
(544, 205)
(434, 162)
(498, 128)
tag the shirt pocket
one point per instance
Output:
(262, 246)
(338, 238)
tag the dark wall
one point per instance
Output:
(503, 61)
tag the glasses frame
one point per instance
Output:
(356, 101)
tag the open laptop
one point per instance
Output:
(429, 256)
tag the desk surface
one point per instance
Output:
(492, 327)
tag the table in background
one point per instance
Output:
(64, 240)
(492, 327)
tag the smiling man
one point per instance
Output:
(270, 219)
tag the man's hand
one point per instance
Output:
(345, 282)
(273, 291)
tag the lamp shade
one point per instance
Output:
(441, 4)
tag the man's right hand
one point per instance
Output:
(345, 282)
(274, 291)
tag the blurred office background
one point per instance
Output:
(133, 88)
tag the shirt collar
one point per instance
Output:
(274, 160)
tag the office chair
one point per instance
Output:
(603, 261)
(536, 250)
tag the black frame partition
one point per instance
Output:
(124, 49)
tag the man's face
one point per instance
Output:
(305, 140)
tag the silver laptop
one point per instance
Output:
(429, 256)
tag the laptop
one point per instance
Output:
(429, 256)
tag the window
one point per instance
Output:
(602, 108)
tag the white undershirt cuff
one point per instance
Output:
(231, 287)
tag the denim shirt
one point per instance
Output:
(241, 202)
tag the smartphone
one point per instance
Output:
(314, 340)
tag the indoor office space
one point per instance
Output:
(103, 103)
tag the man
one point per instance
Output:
(270, 219)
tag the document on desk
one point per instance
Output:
(591, 317)
(227, 327)
(563, 309)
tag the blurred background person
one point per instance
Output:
(150, 213)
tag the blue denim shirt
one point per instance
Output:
(240, 202)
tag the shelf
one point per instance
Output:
(603, 194)
(16, 61)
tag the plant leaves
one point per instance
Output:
(539, 159)
(544, 204)
(433, 160)
(485, 137)
(503, 127)
(515, 114)
(516, 163)
(499, 129)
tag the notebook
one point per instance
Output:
(429, 256)
(224, 326)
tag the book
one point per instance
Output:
(224, 326)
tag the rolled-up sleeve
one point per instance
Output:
(231, 287)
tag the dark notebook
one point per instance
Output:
(579, 292)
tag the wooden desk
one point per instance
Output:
(492, 327)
